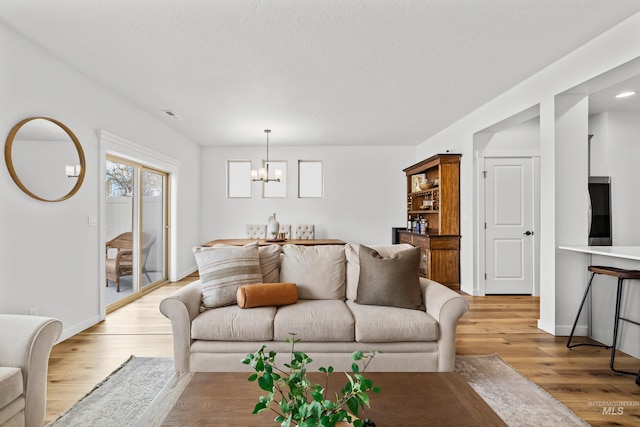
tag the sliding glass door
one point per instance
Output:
(153, 226)
(136, 230)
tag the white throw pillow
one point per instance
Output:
(224, 269)
(270, 263)
(318, 271)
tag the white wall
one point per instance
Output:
(520, 138)
(614, 152)
(364, 192)
(49, 255)
(612, 49)
(571, 202)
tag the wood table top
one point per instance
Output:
(264, 242)
(406, 399)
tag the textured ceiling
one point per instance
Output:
(316, 72)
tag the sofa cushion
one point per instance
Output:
(318, 271)
(11, 385)
(267, 294)
(390, 281)
(223, 269)
(314, 321)
(391, 324)
(269, 257)
(234, 324)
(352, 253)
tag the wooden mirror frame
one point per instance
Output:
(9, 160)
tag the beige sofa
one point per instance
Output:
(326, 318)
(25, 345)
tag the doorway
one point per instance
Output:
(136, 224)
(510, 237)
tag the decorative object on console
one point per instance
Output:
(285, 232)
(297, 401)
(273, 227)
(262, 174)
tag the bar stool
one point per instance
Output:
(621, 274)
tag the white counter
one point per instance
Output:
(625, 252)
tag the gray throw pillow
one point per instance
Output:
(393, 281)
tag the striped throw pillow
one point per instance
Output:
(269, 257)
(224, 269)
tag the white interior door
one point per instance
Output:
(509, 233)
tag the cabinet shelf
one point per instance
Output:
(425, 192)
(423, 212)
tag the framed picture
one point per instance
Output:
(275, 189)
(238, 179)
(310, 179)
(416, 180)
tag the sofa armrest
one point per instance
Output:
(446, 306)
(25, 343)
(181, 308)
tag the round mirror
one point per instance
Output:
(45, 159)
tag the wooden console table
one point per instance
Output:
(263, 242)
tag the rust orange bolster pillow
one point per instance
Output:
(267, 294)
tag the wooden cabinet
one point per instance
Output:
(436, 203)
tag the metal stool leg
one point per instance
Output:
(616, 324)
(575, 322)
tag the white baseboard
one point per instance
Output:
(565, 331)
(183, 274)
(70, 331)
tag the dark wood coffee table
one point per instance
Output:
(406, 399)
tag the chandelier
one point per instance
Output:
(262, 174)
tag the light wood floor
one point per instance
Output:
(580, 378)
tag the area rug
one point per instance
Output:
(123, 397)
(144, 389)
(517, 400)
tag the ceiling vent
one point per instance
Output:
(172, 114)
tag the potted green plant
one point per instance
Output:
(296, 401)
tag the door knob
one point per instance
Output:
(529, 233)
